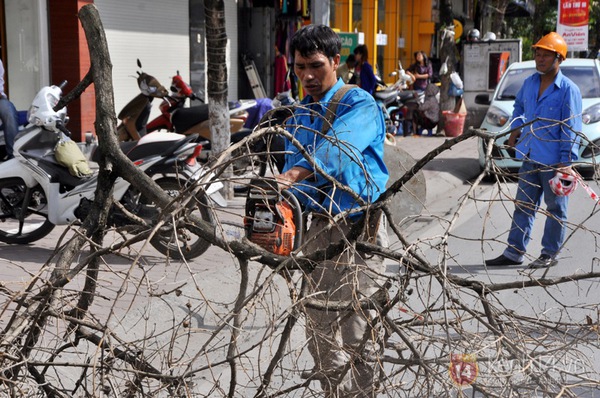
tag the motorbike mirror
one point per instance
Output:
(139, 63)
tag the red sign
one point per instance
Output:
(463, 369)
(572, 25)
(574, 12)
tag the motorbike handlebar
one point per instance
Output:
(62, 128)
(62, 84)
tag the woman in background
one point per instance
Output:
(421, 70)
(363, 71)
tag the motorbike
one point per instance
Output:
(175, 117)
(37, 192)
(400, 104)
(393, 99)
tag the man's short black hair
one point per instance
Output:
(311, 39)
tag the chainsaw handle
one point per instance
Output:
(295, 204)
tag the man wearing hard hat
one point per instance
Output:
(548, 107)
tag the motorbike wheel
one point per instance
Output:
(176, 241)
(19, 224)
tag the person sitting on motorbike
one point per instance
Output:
(346, 70)
(428, 113)
(9, 117)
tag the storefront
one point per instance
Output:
(25, 49)
(43, 42)
(392, 30)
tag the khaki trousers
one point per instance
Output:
(336, 339)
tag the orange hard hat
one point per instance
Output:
(553, 42)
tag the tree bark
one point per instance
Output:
(498, 11)
(447, 52)
(216, 51)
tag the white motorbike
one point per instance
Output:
(37, 193)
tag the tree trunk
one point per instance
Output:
(447, 51)
(498, 11)
(216, 50)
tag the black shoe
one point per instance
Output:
(544, 261)
(501, 261)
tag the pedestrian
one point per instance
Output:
(422, 71)
(343, 343)
(548, 106)
(9, 117)
(363, 71)
(346, 70)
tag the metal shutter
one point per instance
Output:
(156, 32)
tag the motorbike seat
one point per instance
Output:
(184, 119)
(406, 95)
(125, 147)
(59, 173)
(159, 147)
(386, 96)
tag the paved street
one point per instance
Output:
(200, 294)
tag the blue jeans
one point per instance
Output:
(10, 124)
(533, 185)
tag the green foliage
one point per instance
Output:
(530, 29)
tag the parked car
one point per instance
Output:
(583, 72)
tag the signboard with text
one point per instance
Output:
(349, 43)
(573, 18)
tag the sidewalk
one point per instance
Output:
(446, 173)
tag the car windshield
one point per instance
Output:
(586, 78)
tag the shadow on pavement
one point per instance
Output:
(40, 255)
(25, 253)
(463, 168)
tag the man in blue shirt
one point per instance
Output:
(9, 117)
(338, 171)
(550, 144)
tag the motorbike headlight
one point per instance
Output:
(496, 116)
(591, 114)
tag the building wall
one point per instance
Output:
(408, 25)
(25, 49)
(154, 31)
(69, 60)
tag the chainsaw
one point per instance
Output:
(273, 217)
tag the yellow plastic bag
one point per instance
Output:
(68, 154)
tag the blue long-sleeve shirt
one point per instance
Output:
(367, 78)
(351, 152)
(549, 142)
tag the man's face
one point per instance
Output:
(316, 73)
(546, 61)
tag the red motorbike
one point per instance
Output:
(175, 117)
